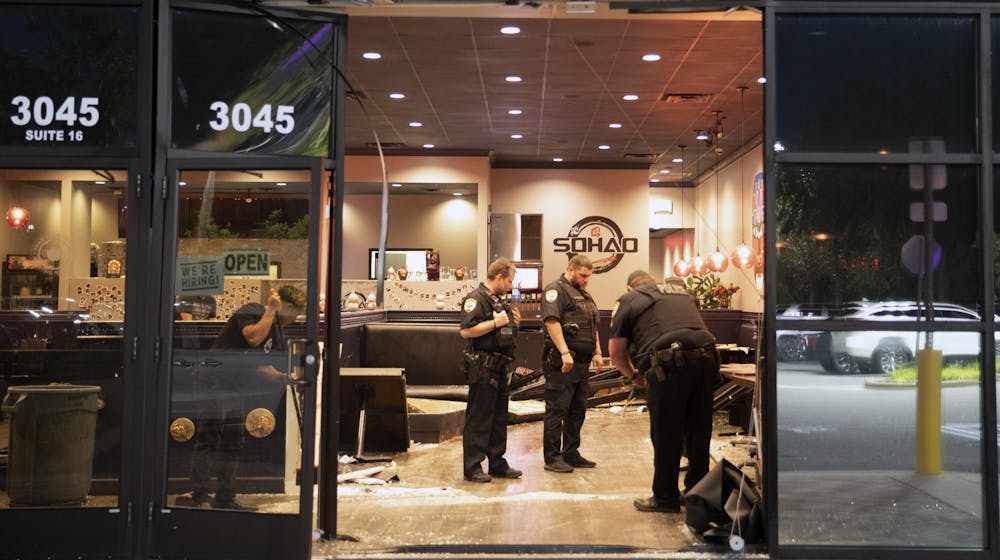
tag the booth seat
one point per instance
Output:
(431, 355)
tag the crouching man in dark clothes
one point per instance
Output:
(658, 334)
(221, 414)
(490, 325)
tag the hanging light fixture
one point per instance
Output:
(742, 256)
(699, 265)
(717, 261)
(18, 217)
(682, 267)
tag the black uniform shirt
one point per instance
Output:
(231, 337)
(562, 299)
(479, 306)
(683, 324)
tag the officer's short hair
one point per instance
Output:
(499, 268)
(580, 261)
(639, 277)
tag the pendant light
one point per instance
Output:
(717, 261)
(743, 256)
(17, 215)
(698, 264)
(682, 267)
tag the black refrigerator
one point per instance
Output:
(29, 282)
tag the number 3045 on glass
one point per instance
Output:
(43, 111)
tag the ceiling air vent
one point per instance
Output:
(686, 97)
(387, 145)
(639, 156)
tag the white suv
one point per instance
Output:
(884, 351)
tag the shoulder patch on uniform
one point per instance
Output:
(615, 309)
(551, 295)
(469, 305)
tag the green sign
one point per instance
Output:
(247, 262)
(199, 276)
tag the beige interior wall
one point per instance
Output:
(445, 223)
(565, 196)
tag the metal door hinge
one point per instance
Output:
(164, 187)
(150, 514)
(156, 351)
(135, 348)
(128, 516)
(138, 186)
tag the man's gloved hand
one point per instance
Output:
(500, 318)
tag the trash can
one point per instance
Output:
(51, 446)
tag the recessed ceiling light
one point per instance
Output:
(416, 124)
(557, 159)
(517, 136)
(651, 57)
(456, 194)
(615, 125)
(396, 95)
(664, 171)
(372, 55)
(183, 183)
(513, 79)
(510, 30)
(654, 180)
(761, 80)
(604, 147)
(630, 97)
(677, 160)
(397, 185)
(281, 184)
(100, 182)
(428, 145)
(514, 112)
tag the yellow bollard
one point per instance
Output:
(929, 411)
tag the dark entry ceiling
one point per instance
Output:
(451, 63)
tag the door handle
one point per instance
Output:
(182, 363)
(211, 362)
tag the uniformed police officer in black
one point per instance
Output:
(490, 325)
(657, 333)
(572, 344)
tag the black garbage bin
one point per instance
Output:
(51, 446)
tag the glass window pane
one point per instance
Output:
(241, 268)
(865, 83)
(842, 231)
(61, 321)
(847, 443)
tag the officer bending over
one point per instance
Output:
(490, 325)
(658, 333)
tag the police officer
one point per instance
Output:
(572, 343)
(658, 333)
(490, 325)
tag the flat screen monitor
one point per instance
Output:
(387, 427)
(528, 277)
(414, 259)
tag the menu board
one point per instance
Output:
(249, 83)
(69, 76)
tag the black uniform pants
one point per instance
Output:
(218, 438)
(485, 432)
(680, 417)
(565, 409)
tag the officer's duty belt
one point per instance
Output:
(493, 360)
(676, 356)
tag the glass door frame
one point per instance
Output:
(186, 532)
(85, 531)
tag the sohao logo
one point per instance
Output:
(598, 238)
